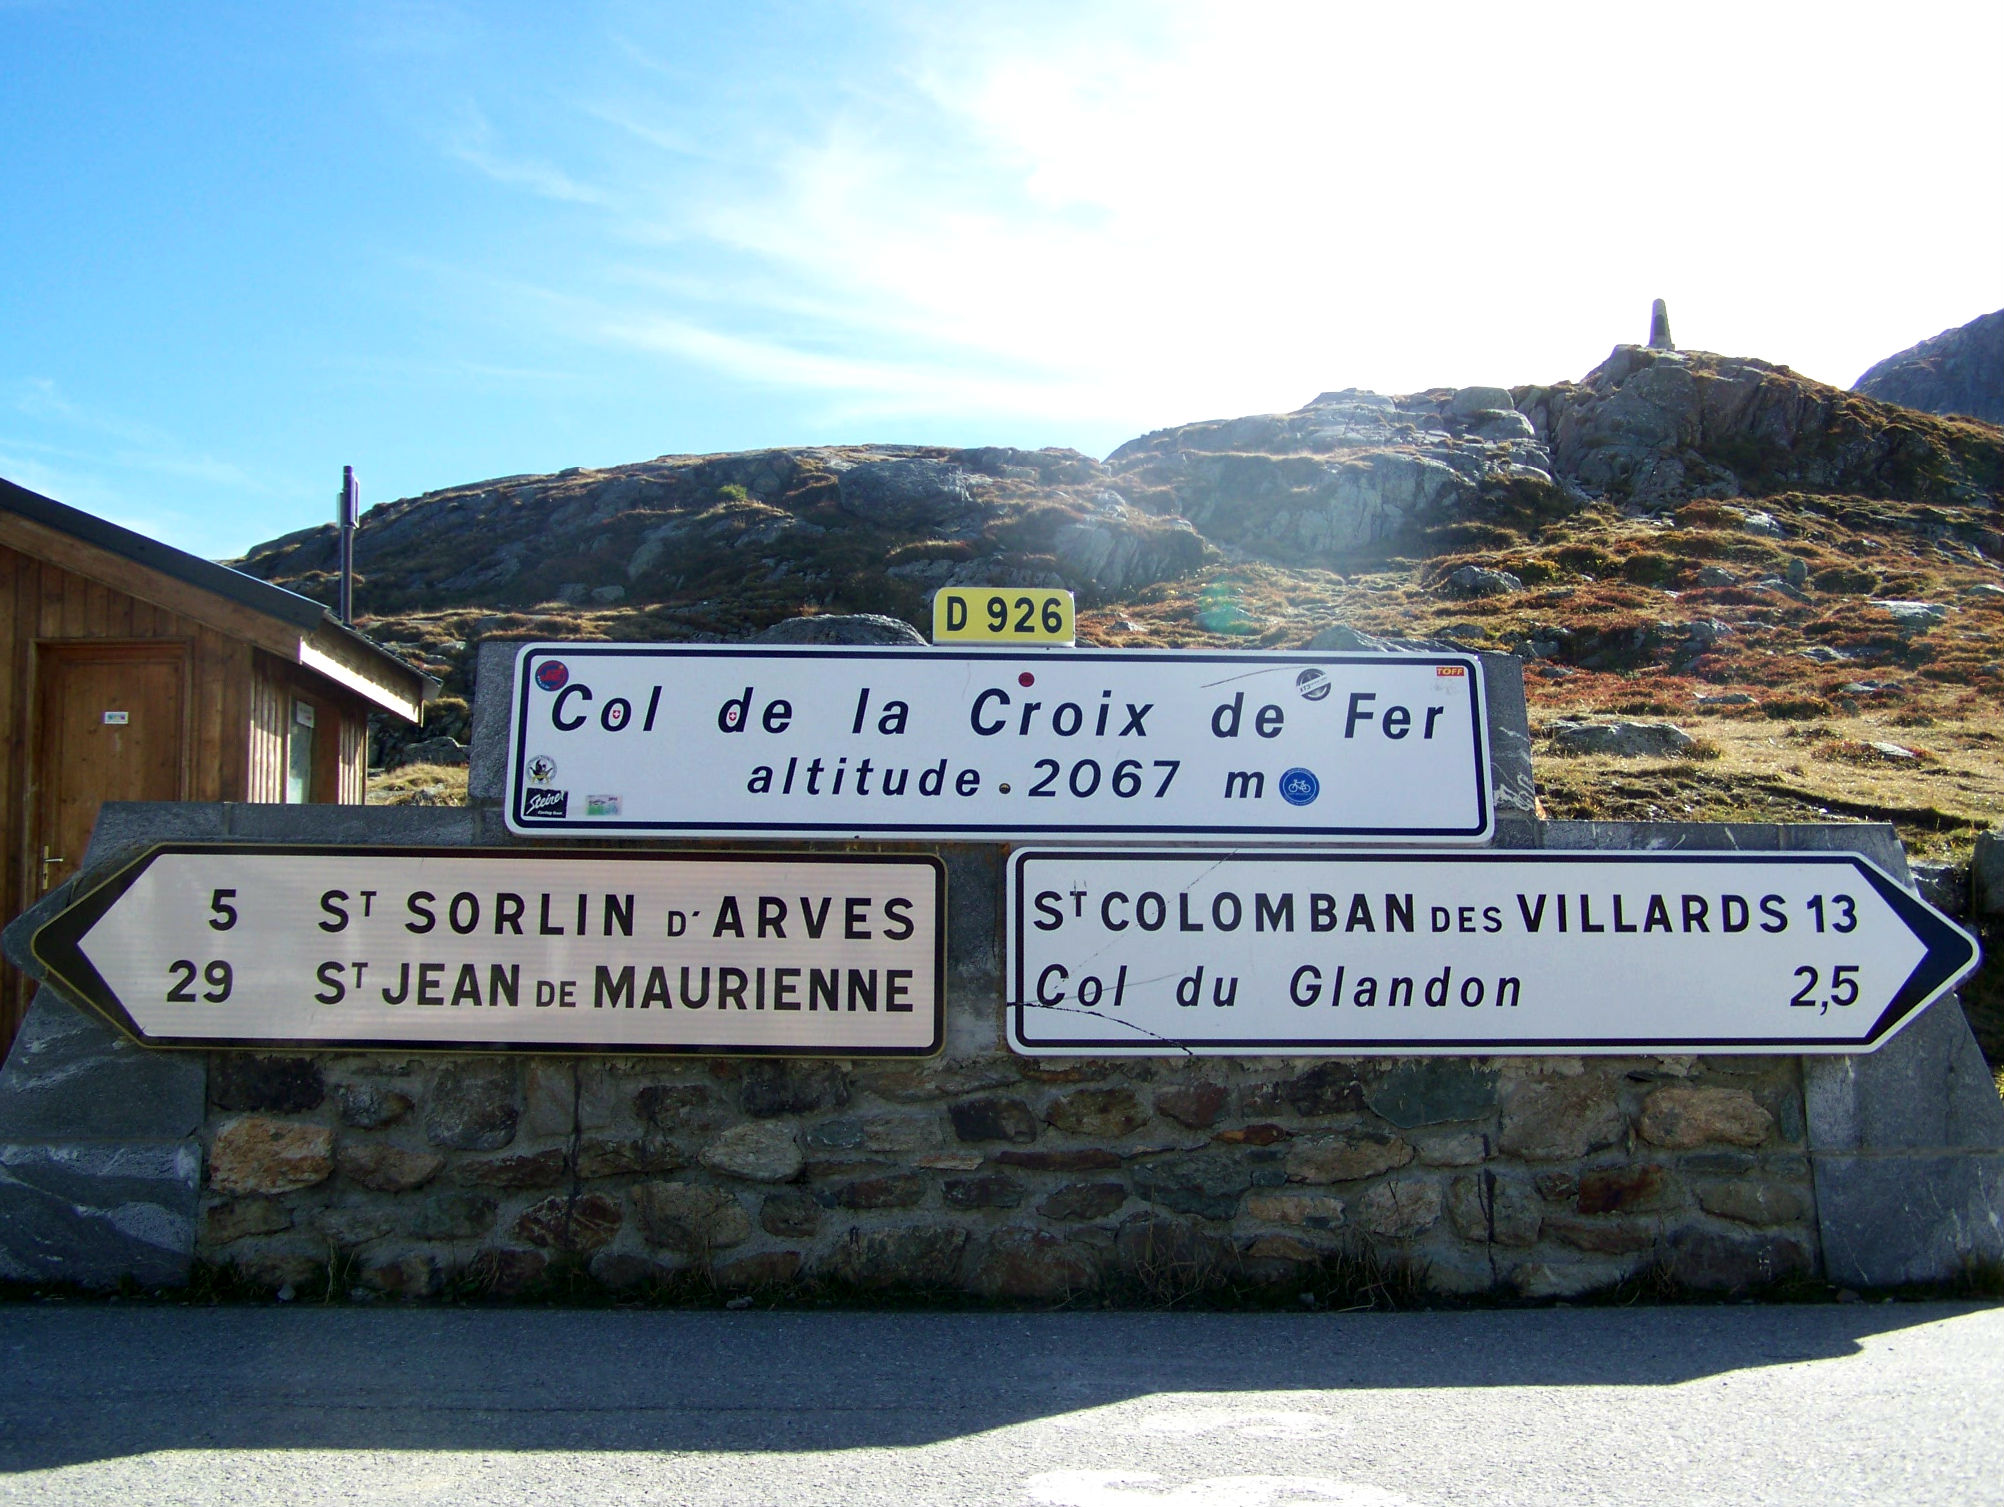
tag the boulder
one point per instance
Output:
(840, 628)
(1473, 581)
(1621, 740)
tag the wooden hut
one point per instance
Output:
(133, 671)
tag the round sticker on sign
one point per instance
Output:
(1314, 686)
(551, 674)
(1299, 787)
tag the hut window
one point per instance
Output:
(299, 754)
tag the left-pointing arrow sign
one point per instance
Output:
(788, 954)
(1150, 952)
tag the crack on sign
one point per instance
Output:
(1100, 1015)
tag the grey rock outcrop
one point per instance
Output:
(1623, 740)
(1349, 471)
(1959, 371)
(1653, 427)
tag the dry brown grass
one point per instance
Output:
(419, 785)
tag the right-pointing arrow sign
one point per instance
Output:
(1163, 952)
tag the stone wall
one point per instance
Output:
(977, 1170)
(1004, 1176)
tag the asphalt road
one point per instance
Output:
(1742, 1405)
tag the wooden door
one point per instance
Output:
(110, 726)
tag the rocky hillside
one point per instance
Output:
(1959, 371)
(725, 544)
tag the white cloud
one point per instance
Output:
(1131, 215)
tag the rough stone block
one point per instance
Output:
(487, 741)
(1681, 1117)
(1986, 875)
(1561, 1120)
(993, 1120)
(237, 1218)
(1086, 1159)
(454, 1216)
(894, 1190)
(350, 1225)
(1713, 1261)
(1098, 1113)
(575, 1226)
(1207, 1186)
(878, 1133)
(1329, 1089)
(1196, 1105)
(297, 1264)
(760, 1152)
(690, 1217)
(1076, 1202)
(771, 1087)
(473, 1106)
(1344, 1158)
(789, 1215)
(561, 1097)
(71, 1076)
(1927, 1089)
(602, 1158)
(676, 1107)
(1603, 1237)
(994, 1191)
(1610, 1190)
(94, 1213)
(542, 1169)
(1401, 1207)
(1433, 1091)
(1891, 1219)
(760, 1270)
(1315, 1211)
(1753, 1203)
(1543, 1279)
(258, 1154)
(387, 1168)
(1467, 1149)
(506, 1272)
(274, 1085)
(1020, 1263)
(1493, 1210)
(912, 1256)
(370, 1106)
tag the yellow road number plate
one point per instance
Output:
(995, 615)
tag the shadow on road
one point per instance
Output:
(91, 1383)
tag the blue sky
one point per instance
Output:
(242, 245)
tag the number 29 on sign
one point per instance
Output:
(993, 615)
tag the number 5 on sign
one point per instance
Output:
(993, 615)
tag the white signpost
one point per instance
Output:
(458, 950)
(1138, 953)
(641, 740)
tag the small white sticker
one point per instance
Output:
(117, 719)
(302, 713)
